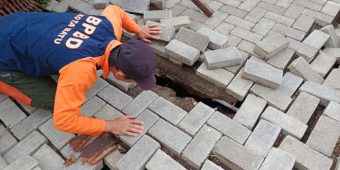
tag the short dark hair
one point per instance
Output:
(113, 57)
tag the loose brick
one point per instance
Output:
(333, 111)
(96, 88)
(161, 160)
(171, 137)
(317, 39)
(216, 40)
(301, 68)
(7, 141)
(159, 48)
(304, 23)
(182, 52)
(326, 94)
(250, 111)
(280, 18)
(281, 59)
(124, 86)
(334, 52)
(100, 4)
(156, 15)
(294, 11)
(303, 107)
(136, 6)
(263, 138)
(79, 165)
(306, 51)
(216, 18)
(115, 97)
(255, 15)
(229, 9)
(228, 127)
(247, 47)
(219, 77)
(107, 112)
(200, 146)
(222, 58)
(239, 87)
(168, 32)
(112, 159)
(320, 18)
(208, 165)
(333, 79)
(290, 83)
(247, 35)
(28, 109)
(235, 155)
(25, 147)
(279, 160)
(273, 8)
(80, 6)
(193, 39)
(138, 104)
(289, 125)
(48, 158)
(333, 41)
(235, 69)
(239, 22)
(263, 26)
(323, 63)
(288, 31)
(331, 8)
(25, 162)
(306, 157)
(10, 113)
(271, 46)
(308, 4)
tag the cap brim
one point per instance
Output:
(147, 83)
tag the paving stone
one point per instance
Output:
(168, 32)
(333, 41)
(306, 51)
(25, 162)
(112, 159)
(100, 4)
(177, 10)
(96, 88)
(7, 141)
(233, 11)
(263, 26)
(193, 39)
(281, 59)
(239, 87)
(316, 39)
(228, 127)
(216, 18)
(248, 5)
(136, 6)
(247, 47)
(115, 97)
(107, 112)
(25, 147)
(233, 41)
(290, 83)
(182, 52)
(196, 25)
(306, 157)
(138, 104)
(323, 63)
(236, 156)
(250, 111)
(294, 11)
(171, 137)
(208, 165)
(271, 46)
(200, 146)
(303, 107)
(304, 23)
(149, 120)
(308, 4)
(320, 18)
(216, 40)
(62, 6)
(189, 4)
(91, 106)
(333, 111)
(234, 3)
(220, 77)
(333, 79)
(301, 68)
(275, 98)
(331, 8)
(95, 11)
(247, 35)
(321, 2)
(161, 160)
(279, 18)
(66, 151)
(198, 16)
(3, 163)
(31, 123)
(51, 5)
(27, 109)
(284, 3)
(288, 31)
(273, 8)
(279, 160)
(263, 138)
(156, 15)
(255, 15)
(3, 97)
(224, 29)
(325, 93)
(215, 6)
(167, 110)
(159, 48)
(124, 86)
(80, 6)
(235, 69)
(239, 22)
(324, 135)
(10, 113)
(334, 52)
(289, 125)
(222, 58)
(270, 1)
(79, 165)
(171, 3)
(48, 158)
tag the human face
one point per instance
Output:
(120, 75)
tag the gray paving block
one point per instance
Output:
(3, 163)
(333, 111)
(281, 59)
(112, 159)
(228, 127)
(222, 58)
(208, 165)
(290, 83)
(217, 18)
(79, 165)
(136, 6)
(138, 104)
(255, 15)
(107, 112)
(51, 5)
(304, 23)
(194, 14)
(263, 138)
(235, 155)
(263, 74)
(325, 135)
(161, 160)
(182, 52)
(177, 22)
(48, 158)
(124, 86)
(306, 157)
(80, 6)
(279, 18)
(317, 39)
(168, 32)
(303, 107)
(326, 94)
(31, 123)
(303, 50)
(250, 111)
(273, 8)
(334, 52)
(263, 26)
(239, 86)
(271, 46)
(279, 160)
(100, 4)
(149, 120)
(66, 151)
(247, 35)
(157, 4)
(57, 138)
(294, 11)
(193, 39)
(7, 141)
(96, 88)
(176, 9)
(10, 113)
(289, 125)
(320, 18)
(323, 63)
(156, 15)
(170, 136)
(95, 11)
(308, 4)
(239, 22)
(91, 106)
(231, 10)
(289, 31)
(219, 77)
(217, 40)
(28, 109)
(3, 97)
(333, 41)
(115, 97)
(331, 8)
(235, 69)
(301, 68)
(196, 118)
(25, 147)
(25, 162)
(62, 6)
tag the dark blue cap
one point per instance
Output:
(138, 62)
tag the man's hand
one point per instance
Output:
(125, 125)
(148, 31)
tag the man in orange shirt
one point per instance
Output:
(36, 45)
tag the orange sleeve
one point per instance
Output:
(74, 81)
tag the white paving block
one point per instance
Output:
(290, 83)
(333, 111)
(325, 93)
(301, 68)
(271, 46)
(323, 63)
(222, 58)
(316, 39)
(279, 160)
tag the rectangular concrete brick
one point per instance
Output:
(271, 46)
(289, 125)
(316, 39)
(138, 104)
(263, 138)
(25, 162)
(170, 136)
(25, 147)
(323, 63)
(294, 11)
(27, 109)
(239, 22)
(159, 48)
(222, 58)
(303, 107)
(239, 86)
(289, 31)
(115, 97)
(334, 52)
(263, 74)
(229, 127)
(320, 18)
(182, 52)
(3, 163)
(177, 22)
(248, 5)
(231, 10)
(91, 106)
(3, 97)
(235, 155)
(196, 118)
(303, 50)
(263, 26)
(306, 157)
(168, 32)
(219, 77)
(324, 135)
(31, 123)
(62, 6)
(149, 120)
(331, 8)
(284, 3)
(217, 18)
(281, 59)
(247, 35)
(136, 6)
(279, 160)
(100, 4)
(123, 86)
(250, 111)
(308, 4)
(290, 83)
(216, 40)
(333, 41)
(79, 165)
(156, 15)
(304, 23)
(112, 159)
(333, 111)
(273, 8)
(80, 6)
(108, 112)
(10, 113)
(51, 5)
(326, 94)
(96, 88)
(255, 15)
(301, 68)
(192, 38)
(235, 69)
(247, 46)
(279, 18)
(161, 160)
(7, 141)
(167, 110)
(48, 158)
(199, 148)
(208, 165)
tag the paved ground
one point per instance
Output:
(284, 70)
